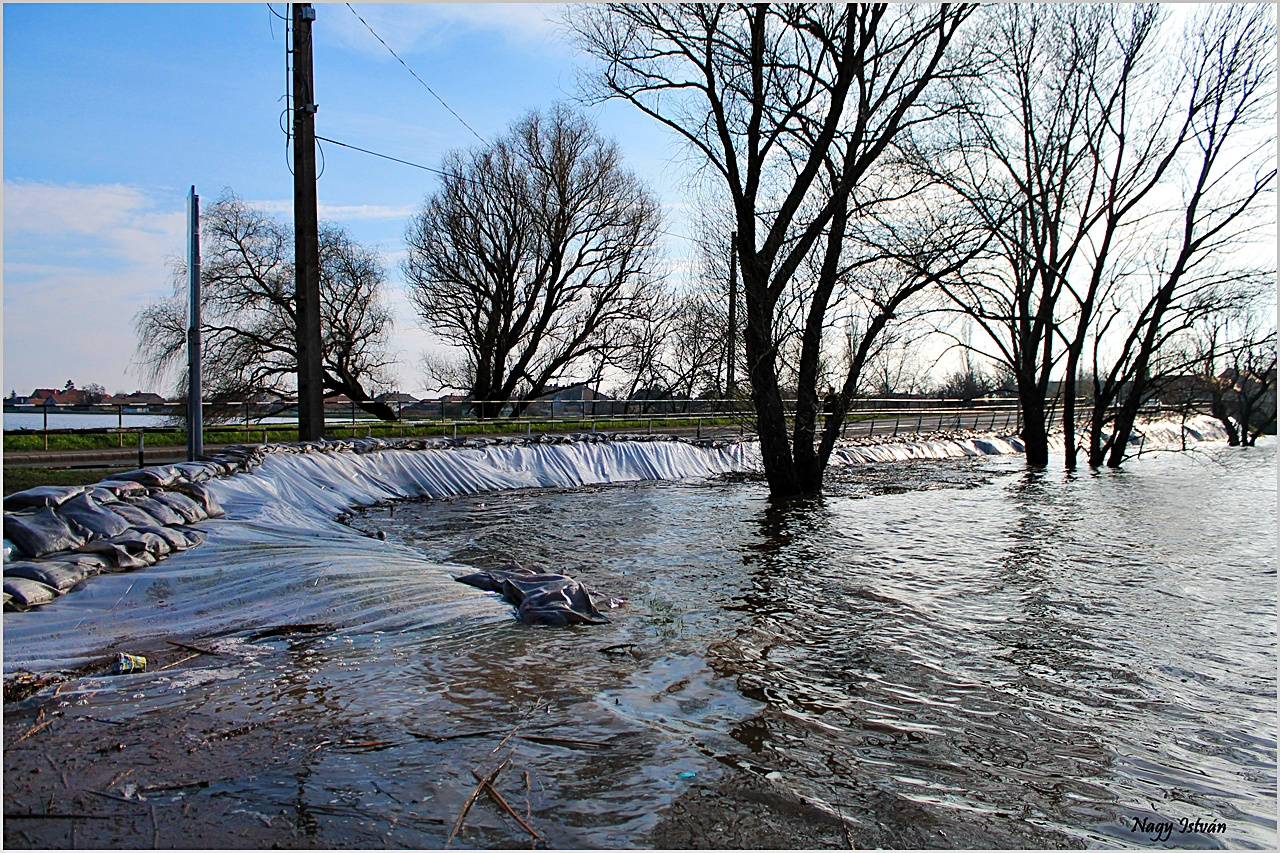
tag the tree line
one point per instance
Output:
(1078, 197)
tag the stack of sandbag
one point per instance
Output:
(56, 537)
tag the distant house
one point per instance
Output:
(52, 397)
(448, 406)
(569, 401)
(572, 392)
(136, 400)
(394, 397)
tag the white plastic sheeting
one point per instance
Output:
(280, 557)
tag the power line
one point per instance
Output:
(445, 174)
(394, 159)
(416, 77)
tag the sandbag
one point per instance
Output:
(119, 556)
(92, 563)
(156, 475)
(135, 515)
(42, 496)
(42, 532)
(160, 512)
(100, 522)
(25, 593)
(184, 506)
(136, 541)
(201, 495)
(177, 539)
(194, 535)
(122, 488)
(11, 551)
(195, 471)
(58, 575)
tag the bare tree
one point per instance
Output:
(791, 107)
(1069, 149)
(679, 348)
(895, 367)
(1027, 153)
(1234, 356)
(1227, 174)
(532, 256)
(248, 315)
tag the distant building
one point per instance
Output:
(394, 397)
(448, 406)
(136, 400)
(337, 403)
(53, 397)
(569, 401)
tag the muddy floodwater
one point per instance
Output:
(953, 653)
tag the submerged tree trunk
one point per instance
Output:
(1035, 436)
(1069, 448)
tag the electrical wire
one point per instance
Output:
(415, 75)
(393, 159)
(287, 126)
(453, 175)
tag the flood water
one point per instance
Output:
(938, 653)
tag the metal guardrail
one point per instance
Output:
(866, 417)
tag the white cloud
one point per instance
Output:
(79, 263)
(411, 27)
(121, 220)
(338, 213)
(345, 212)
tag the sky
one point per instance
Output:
(112, 113)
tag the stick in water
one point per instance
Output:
(475, 794)
(493, 792)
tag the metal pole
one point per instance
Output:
(306, 231)
(733, 311)
(195, 403)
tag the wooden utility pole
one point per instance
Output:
(195, 405)
(733, 311)
(306, 232)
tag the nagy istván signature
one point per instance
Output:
(1163, 830)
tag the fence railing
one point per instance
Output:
(247, 413)
(454, 418)
(866, 417)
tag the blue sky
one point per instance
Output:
(111, 113)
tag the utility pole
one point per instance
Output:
(195, 405)
(306, 232)
(733, 311)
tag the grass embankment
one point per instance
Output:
(228, 435)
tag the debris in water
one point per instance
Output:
(541, 599)
(126, 663)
